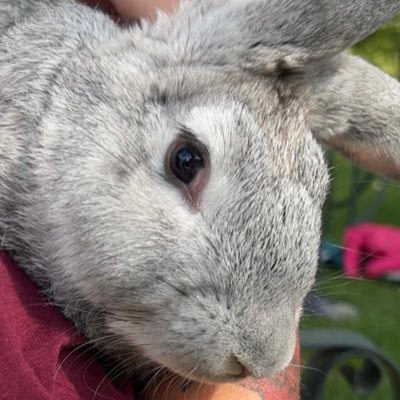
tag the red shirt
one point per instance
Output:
(41, 354)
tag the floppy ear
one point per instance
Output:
(263, 35)
(356, 110)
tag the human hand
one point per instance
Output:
(135, 9)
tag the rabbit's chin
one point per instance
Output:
(229, 375)
(229, 372)
(145, 375)
(188, 379)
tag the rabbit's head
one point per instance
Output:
(184, 209)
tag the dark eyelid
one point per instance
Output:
(187, 134)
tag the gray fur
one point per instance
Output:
(88, 110)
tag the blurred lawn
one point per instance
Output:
(378, 302)
(379, 320)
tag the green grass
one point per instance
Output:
(378, 302)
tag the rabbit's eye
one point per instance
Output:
(186, 162)
(187, 166)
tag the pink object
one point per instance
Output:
(371, 250)
(41, 355)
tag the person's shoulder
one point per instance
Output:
(42, 354)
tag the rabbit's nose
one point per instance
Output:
(238, 369)
(235, 368)
(255, 371)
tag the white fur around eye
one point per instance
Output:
(217, 128)
(213, 126)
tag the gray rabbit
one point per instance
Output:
(163, 183)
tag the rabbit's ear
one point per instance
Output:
(263, 35)
(356, 110)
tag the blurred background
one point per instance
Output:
(368, 306)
